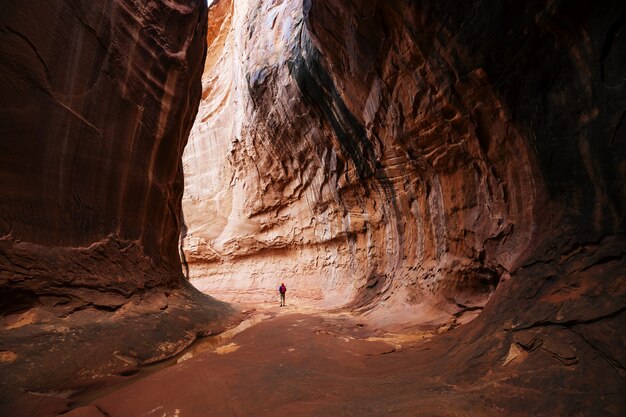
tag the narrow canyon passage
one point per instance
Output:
(439, 184)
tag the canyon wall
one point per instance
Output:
(423, 162)
(96, 106)
(97, 102)
(407, 156)
(419, 162)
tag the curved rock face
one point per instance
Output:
(97, 102)
(401, 155)
(420, 161)
(96, 105)
(415, 160)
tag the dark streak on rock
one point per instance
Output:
(317, 87)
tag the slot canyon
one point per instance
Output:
(440, 186)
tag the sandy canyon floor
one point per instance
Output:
(296, 360)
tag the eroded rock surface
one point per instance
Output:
(96, 105)
(421, 161)
(408, 157)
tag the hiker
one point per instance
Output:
(282, 290)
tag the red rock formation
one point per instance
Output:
(89, 133)
(424, 159)
(97, 102)
(419, 160)
(397, 155)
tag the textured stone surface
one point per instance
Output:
(423, 162)
(420, 161)
(409, 157)
(95, 107)
(97, 99)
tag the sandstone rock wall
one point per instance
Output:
(97, 101)
(402, 155)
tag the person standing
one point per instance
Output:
(282, 290)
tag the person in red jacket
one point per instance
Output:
(282, 290)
